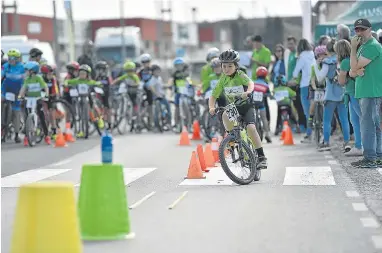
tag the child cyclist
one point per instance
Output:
(33, 84)
(49, 78)
(158, 89)
(132, 80)
(84, 77)
(284, 96)
(262, 89)
(103, 76)
(235, 81)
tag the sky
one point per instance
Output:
(207, 10)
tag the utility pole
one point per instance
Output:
(16, 19)
(195, 24)
(163, 11)
(56, 47)
(122, 25)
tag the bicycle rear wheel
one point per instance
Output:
(243, 157)
(30, 130)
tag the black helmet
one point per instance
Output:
(34, 52)
(101, 65)
(138, 64)
(229, 56)
(155, 67)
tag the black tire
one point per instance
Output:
(223, 162)
(318, 124)
(158, 118)
(258, 171)
(259, 127)
(6, 131)
(30, 132)
(69, 111)
(85, 118)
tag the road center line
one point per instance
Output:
(377, 240)
(329, 157)
(380, 171)
(61, 162)
(352, 194)
(172, 206)
(332, 162)
(139, 202)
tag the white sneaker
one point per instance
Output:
(354, 152)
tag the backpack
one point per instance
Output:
(332, 72)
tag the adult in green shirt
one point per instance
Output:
(261, 55)
(366, 65)
(343, 49)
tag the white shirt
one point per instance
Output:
(304, 63)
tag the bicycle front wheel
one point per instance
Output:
(240, 154)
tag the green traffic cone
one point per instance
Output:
(102, 203)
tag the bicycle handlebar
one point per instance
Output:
(238, 100)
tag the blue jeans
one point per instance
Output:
(371, 128)
(355, 115)
(329, 108)
(304, 96)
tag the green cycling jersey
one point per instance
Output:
(210, 82)
(33, 86)
(206, 72)
(231, 85)
(131, 79)
(284, 95)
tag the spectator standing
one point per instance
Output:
(304, 65)
(261, 56)
(342, 49)
(366, 64)
(343, 32)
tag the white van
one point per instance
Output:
(24, 45)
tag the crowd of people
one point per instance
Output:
(349, 69)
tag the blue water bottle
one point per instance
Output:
(107, 147)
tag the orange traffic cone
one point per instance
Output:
(288, 140)
(196, 133)
(208, 156)
(194, 170)
(284, 129)
(68, 133)
(201, 157)
(184, 139)
(215, 151)
(60, 140)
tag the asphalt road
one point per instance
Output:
(305, 202)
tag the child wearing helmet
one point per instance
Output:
(103, 76)
(261, 90)
(12, 76)
(33, 84)
(235, 83)
(47, 72)
(132, 81)
(284, 96)
(145, 75)
(206, 69)
(81, 86)
(210, 83)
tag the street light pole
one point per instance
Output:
(56, 47)
(122, 25)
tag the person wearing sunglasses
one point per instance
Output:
(366, 65)
(12, 76)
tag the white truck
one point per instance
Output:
(108, 43)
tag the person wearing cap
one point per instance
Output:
(366, 64)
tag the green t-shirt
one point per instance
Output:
(231, 86)
(292, 60)
(210, 82)
(262, 55)
(82, 85)
(131, 79)
(283, 95)
(370, 84)
(350, 82)
(34, 85)
(205, 72)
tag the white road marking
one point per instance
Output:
(369, 222)
(309, 176)
(359, 207)
(380, 171)
(132, 174)
(172, 206)
(329, 157)
(215, 176)
(332, 162)
(61, 163)
(29, 176)
(139, 202)
(377, 240)
(352, 194)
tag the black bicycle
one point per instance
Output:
(239, 146)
